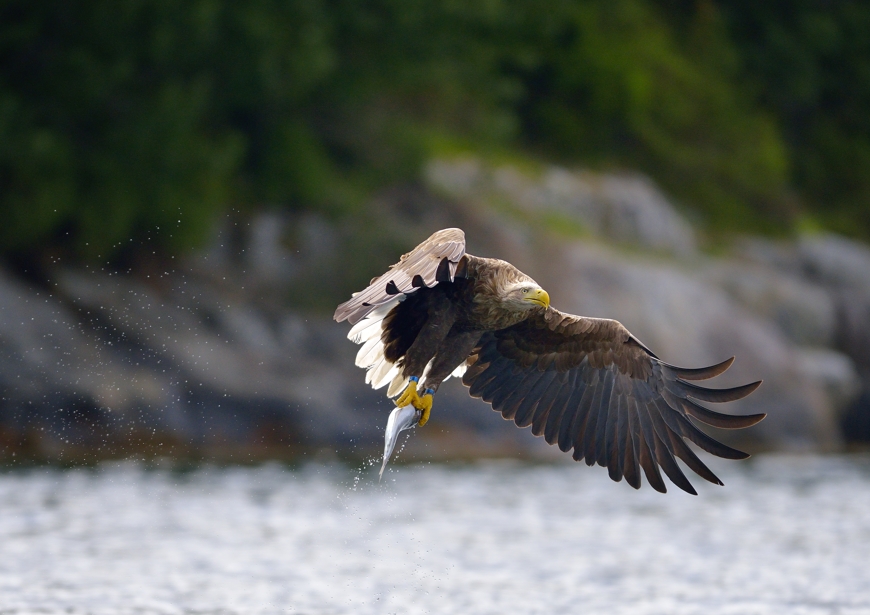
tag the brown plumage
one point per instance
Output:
(584, 384)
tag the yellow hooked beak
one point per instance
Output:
(538, 296)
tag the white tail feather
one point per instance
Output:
(377, 371)
(370, 329)
(386, 372)
(370, 370)
(373, 318)
(397, 385)
(369, 354)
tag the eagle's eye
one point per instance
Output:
(525, 290)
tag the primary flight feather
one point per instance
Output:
(585, 384)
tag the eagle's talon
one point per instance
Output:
(424, 404)
(409, 396)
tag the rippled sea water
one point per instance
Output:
(785, 535)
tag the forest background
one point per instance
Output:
(140, 122)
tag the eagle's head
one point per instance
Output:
(507, 295)
(526, 295)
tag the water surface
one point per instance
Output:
(785, 535)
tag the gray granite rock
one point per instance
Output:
(626, 208)
(836, 371)
(836, 261)
(804, 311)
(841, 269)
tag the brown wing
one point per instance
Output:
(588, 384)
(435, 260)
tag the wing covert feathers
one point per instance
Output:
(435, 260)
(587, 384)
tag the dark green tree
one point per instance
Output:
(140, 119)
(808, 63)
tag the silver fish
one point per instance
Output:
(400, 420)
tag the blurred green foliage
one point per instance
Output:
(807, 63)
(620, 83)
(132, 119)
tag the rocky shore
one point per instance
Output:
(230, 353)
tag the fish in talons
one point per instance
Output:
(400, 420)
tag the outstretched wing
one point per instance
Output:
(588, 384)
(435, 260)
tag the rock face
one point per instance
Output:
(839, 270)
(804, 311)
(231, 353)
(193, 361)
(623, 208)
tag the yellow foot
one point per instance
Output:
(409, 396)
(425, 404)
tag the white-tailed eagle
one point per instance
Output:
(585, 384)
